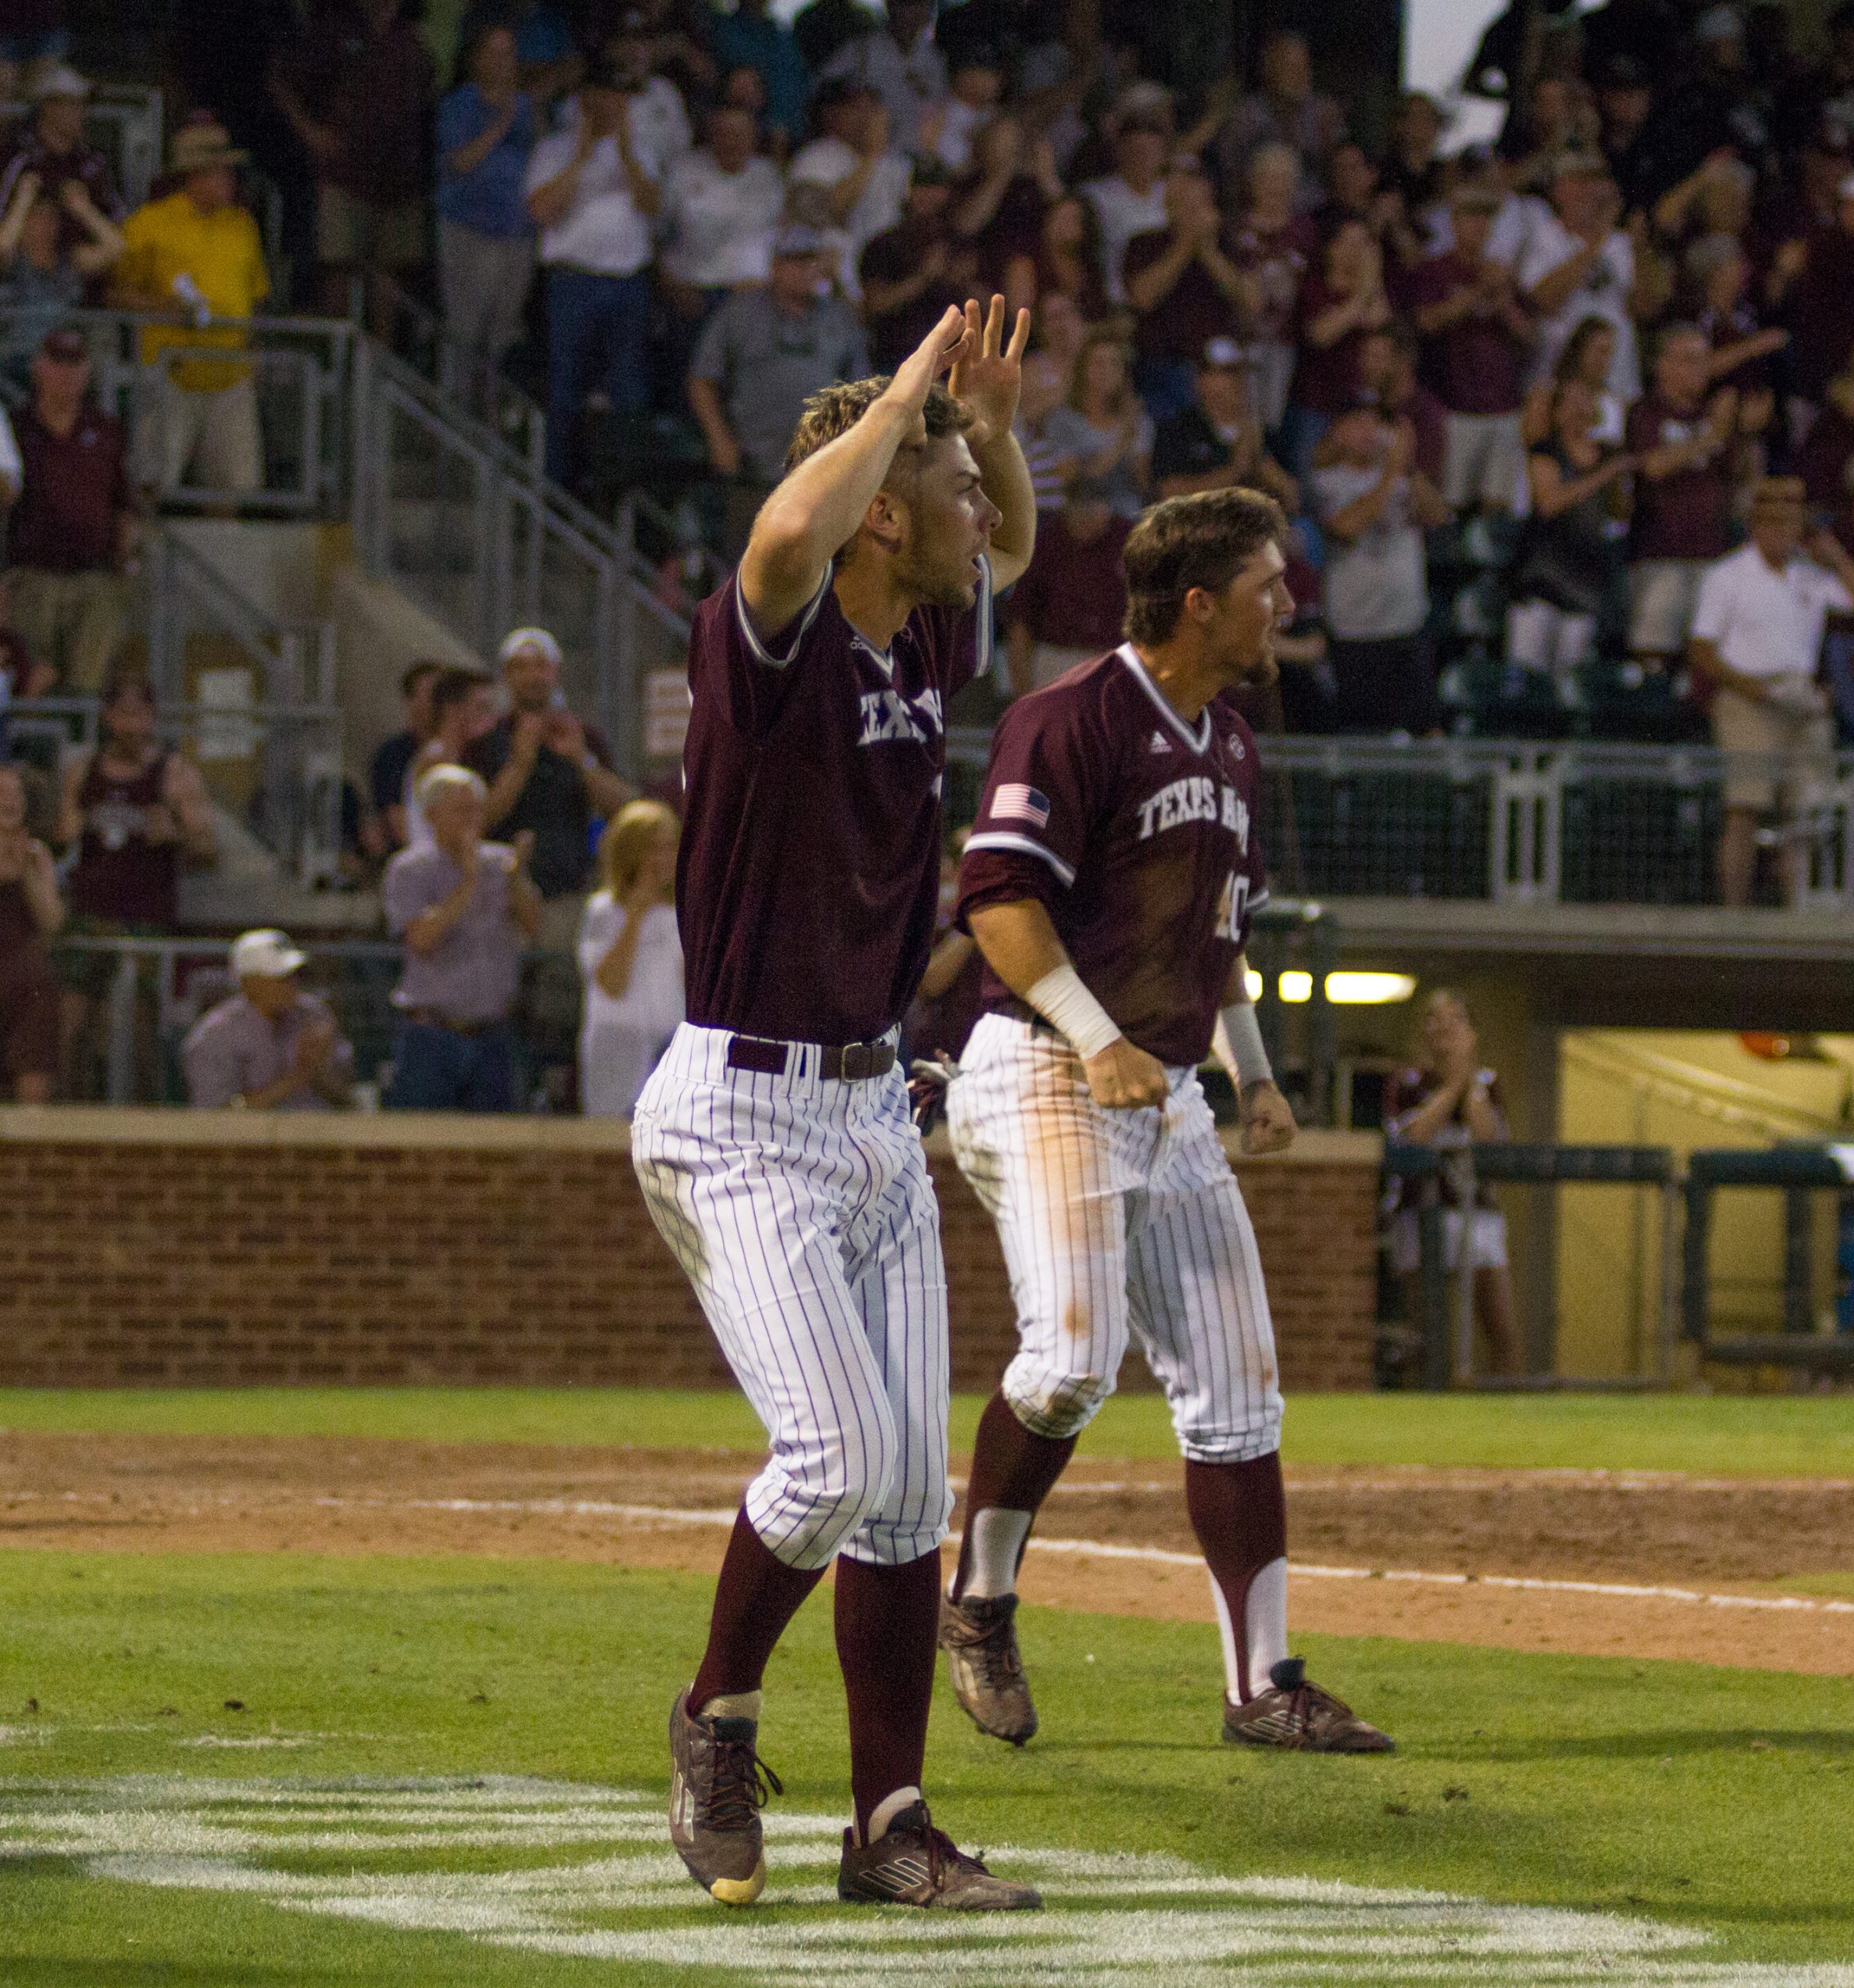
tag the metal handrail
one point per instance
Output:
(318, 352)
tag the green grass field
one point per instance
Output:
(150, 1835)
(284, 1771)
(1716, 1435)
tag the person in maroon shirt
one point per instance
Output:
(1067, 607)
(137, 812)
(911, 273)
(1109, 880)
(1342, 300)
(1275, 244)
(1446, 1098)
(774, 1142)
(1684, 444)
(1185, 289)
(73, 530)
(30, 911)
(1476, 337)
(1387, 367)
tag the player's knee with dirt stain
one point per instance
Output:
(1060, 1406)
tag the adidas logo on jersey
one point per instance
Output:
(1160, 743)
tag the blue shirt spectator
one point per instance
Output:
(486, 128)
(489, 197)
(750, 38)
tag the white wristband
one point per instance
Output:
(1063, 1000)
(1238, 1045)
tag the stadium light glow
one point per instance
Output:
(1254, 981)
(1349, 990)
(1369, 990)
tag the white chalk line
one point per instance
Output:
(1151, 1556)
(1115, 1919)
(718, 1516)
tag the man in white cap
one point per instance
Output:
(547, 771)
(269, 1047)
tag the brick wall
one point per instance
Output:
(152, 1249)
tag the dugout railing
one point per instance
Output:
(1448, 1176)
(1801, 1174)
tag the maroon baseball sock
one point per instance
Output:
(1238, 1513)
(755, 1596)
(1013, 1469)
(888, 1621)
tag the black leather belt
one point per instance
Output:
(851, 1062)
(435, 1018)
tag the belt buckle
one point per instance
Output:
(858, 1061)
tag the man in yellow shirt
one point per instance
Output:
(197, 252)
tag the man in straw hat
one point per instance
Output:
(196, 253)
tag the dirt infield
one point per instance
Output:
(1358, 1536)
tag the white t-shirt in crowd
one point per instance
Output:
(1764, 623)
(1374, 588)
(718, 226)
(829, 162)
(1604, 293)
(620, 1039)
(603, 230)
(1122, 214)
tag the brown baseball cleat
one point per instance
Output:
(980, 1639)
(915, 1864)
(717, 1789)
(1301, 1718)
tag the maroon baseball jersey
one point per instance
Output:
(1138, 833)
(809, 870)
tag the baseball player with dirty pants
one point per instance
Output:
(774, 1142)
(1108, 881)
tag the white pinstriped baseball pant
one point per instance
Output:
(803, 1212)
(1115, 1222)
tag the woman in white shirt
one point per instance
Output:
(630, 959)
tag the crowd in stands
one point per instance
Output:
(1516, 397)
(1564, 423)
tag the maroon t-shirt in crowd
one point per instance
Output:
(1686, 515)
(1137, 832)
(1278, 259)
(1190, 315)
(1325, 376)
(1073, 592)
(810, 869)
(72, 487)
(1476, 365)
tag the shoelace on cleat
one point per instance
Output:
(996, 1655)
(742, 1784)
(943, 1853)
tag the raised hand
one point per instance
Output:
(988, 374)
(916, 374)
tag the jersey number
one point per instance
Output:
(1230, 908)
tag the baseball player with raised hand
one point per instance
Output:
(774, 1141)
(1108, 881)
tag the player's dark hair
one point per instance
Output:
(836, 409)
(452, 687)
(417, 674)
(1202, 541)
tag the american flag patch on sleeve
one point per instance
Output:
(1016, 801)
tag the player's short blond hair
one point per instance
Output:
(836, 409)
(1202, 541)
